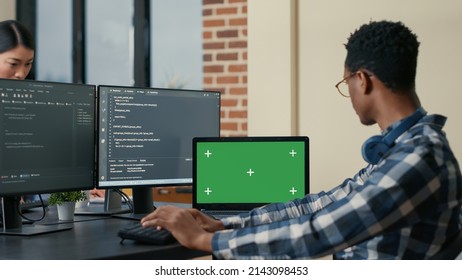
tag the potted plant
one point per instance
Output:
(65, 203)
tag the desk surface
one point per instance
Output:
(90, 238)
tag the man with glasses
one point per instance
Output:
(405, 204)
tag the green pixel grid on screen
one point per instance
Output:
(230, 172)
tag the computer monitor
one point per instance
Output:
(47, 143)
(145, 137)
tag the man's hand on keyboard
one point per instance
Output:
(187, 226)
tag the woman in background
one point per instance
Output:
(16, 50)
(16, 57)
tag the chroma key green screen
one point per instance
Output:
(250, 172)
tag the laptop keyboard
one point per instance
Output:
(222, 214)
(149, 235)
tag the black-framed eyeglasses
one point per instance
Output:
(342, 86)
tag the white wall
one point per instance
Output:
(7, 9)
(273, 54)
(328, 118)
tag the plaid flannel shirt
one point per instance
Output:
(406, 207)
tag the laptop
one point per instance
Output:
(232, 175)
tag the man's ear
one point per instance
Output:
(366, 82)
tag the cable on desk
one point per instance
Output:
(43, 206)
(126, 198)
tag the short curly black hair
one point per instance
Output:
(387, 49)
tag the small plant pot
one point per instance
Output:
(83, 203)
(66, 211)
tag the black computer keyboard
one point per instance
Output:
(149, 235)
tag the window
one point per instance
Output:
(176, 43)
(108, 48)
(109, 42)
(53, 55)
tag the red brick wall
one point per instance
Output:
(225, 60)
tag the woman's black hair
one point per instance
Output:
(13, 34)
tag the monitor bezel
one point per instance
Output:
(246, 206)
(12, 192)
(139, 185)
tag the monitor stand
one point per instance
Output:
(112, 205)
(142, 204)
(13, 225)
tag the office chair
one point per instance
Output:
(451, 251)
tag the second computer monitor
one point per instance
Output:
(145, 134)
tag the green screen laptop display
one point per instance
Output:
(246, 172)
